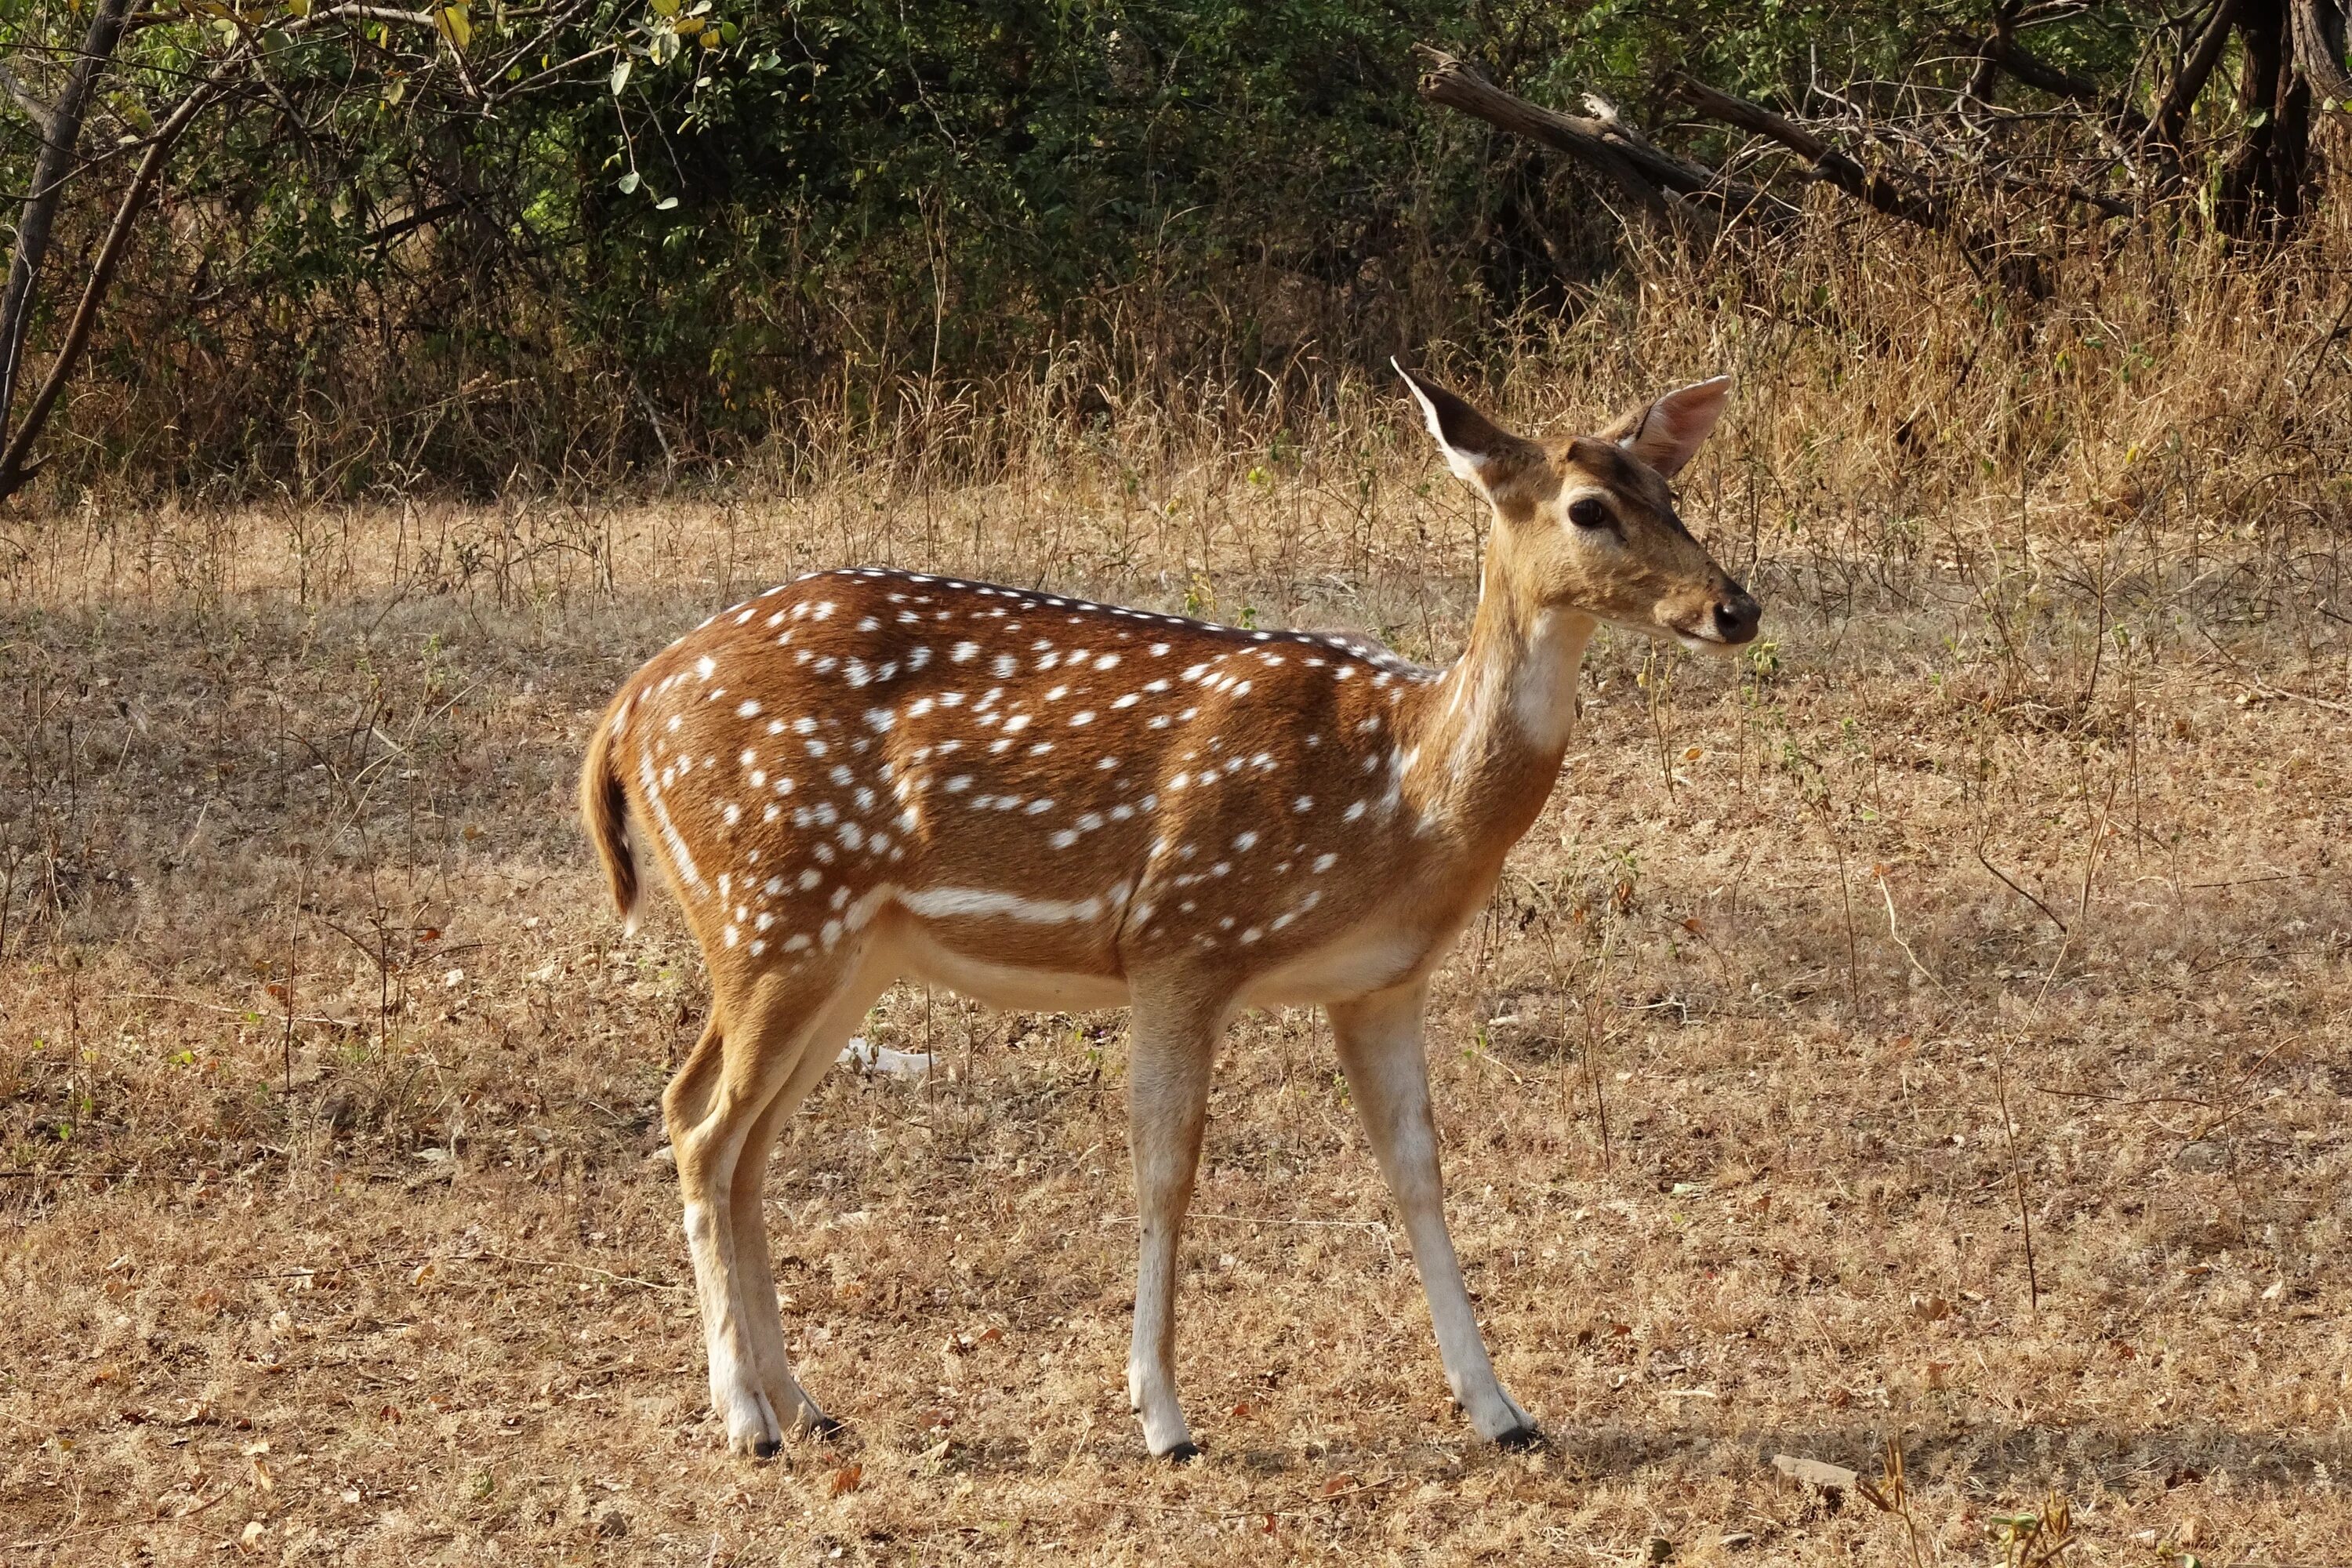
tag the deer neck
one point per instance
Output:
(1496, 725)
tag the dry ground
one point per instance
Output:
(338, 1228)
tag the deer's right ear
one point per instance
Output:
(1478, 451)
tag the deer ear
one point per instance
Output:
(1668, 432)
(1479, 452)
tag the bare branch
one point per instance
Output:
(24, 97)
(1827, 163)
(1657, 181)
(60, 138)
(13, 471)
(2173, 112)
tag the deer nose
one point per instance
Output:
(1737, 616)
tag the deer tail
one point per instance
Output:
(604, 812)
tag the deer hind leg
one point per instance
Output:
(754, 1051)
(755, 1276)
(1380, 1051)
(1174, 1043)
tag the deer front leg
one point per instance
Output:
(1168, 1097)
(1380, 1051)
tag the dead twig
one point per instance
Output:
(2008, 882)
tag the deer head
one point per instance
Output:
(1587, 524)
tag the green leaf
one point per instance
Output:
(664, 204)
(621, 74)
(629, 182)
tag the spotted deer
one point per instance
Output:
(1044, 803)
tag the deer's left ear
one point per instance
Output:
(1666, 434)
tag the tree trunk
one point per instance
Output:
(2318, 30)
(60, 139)
(2267, 179)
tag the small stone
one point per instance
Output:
(1661, 1550)
(611, 1521)
(1813, 1472)
(2206, 1156)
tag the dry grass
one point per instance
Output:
(2006, 887)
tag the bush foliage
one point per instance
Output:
(726, 224)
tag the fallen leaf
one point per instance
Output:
(847, 1479)
(1340, 1483)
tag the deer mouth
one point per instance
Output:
(1718, 627)
(1701, 642)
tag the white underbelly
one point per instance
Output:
(921, 956)
(1370, 958)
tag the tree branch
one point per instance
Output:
(13, 472)
(1657, 181)
(23, 97)
(398, 227)
(60, 138)
(2171, 113)
(1827, 163)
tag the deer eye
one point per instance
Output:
(1587, 511)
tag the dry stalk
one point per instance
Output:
(2017, 1178)
(1893, 1495)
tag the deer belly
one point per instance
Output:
(1371, 957)
(1008, 964)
